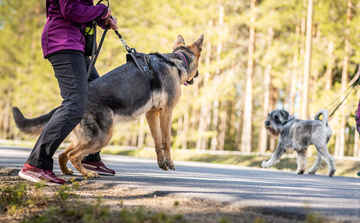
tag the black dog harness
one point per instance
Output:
(140, 60)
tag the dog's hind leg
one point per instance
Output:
(63, 158)
(165, 123)
(301, 161)
(76, 155)
(329, 159)
(315, 167)
(85, 148)
(153, 119)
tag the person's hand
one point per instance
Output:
(112, 22)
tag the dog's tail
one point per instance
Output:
(32, 126)
(325, 116)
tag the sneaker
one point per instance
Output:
(98, 167)
(35, 174)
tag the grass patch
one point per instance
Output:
(347, 168)
(29, 205)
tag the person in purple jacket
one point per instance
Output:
(357, 123)
(63, 45)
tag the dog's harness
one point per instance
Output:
(140, 60)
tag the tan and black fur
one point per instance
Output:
(124, 94)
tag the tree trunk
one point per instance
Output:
(294, 74)
(344, 80)
(141, 132)
(200, 144)
(134, 135)
(307, 62)
(214, 141)
(214, 138)
(185, 131)
(329, 67)
(273, 105)
(266, 105)
(337, 144)
(356, 144)
(222, 126)
(248, 107)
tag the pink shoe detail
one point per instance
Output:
(35, 174)
(98, 167)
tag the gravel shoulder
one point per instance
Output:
(116, 197)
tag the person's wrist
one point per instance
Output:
(106, 14)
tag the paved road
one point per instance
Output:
(266, 191)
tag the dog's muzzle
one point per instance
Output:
(267, 123)
(191, 82)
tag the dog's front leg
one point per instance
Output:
(165, 123)
(153, 119)
(280, 150)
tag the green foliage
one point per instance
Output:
(61, 207)
(27, 80)
(13, 197)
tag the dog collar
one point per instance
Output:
(288, 121)
(183, 57)
(185, 63)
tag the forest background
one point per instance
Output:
(297, 55)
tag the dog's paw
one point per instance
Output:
(299, 171)
(264, 164)
(163, 165)
(68, 172)
(170, 164)
(331, 173)
(91, 174)
(311, 171)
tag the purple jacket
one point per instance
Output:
(60, 31)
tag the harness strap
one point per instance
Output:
(140, 60)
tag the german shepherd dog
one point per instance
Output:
(124, 94)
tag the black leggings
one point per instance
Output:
(70, 70)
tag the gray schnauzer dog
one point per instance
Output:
(297, 135)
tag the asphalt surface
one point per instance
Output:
(267, 191)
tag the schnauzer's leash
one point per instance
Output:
(352, 86)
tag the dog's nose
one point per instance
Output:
(267, 123)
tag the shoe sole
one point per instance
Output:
(104, 174)
(29, 178)
(89, 168)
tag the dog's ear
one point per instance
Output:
(285, 114)
(199, 42)
(179, 41)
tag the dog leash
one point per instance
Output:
(351, 87)
(95, 52)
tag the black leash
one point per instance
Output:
(356, 82)
(95, 52)
(128, 49)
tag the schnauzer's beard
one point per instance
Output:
(275, 132)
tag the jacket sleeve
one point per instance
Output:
(74, 11)
(101, 23)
